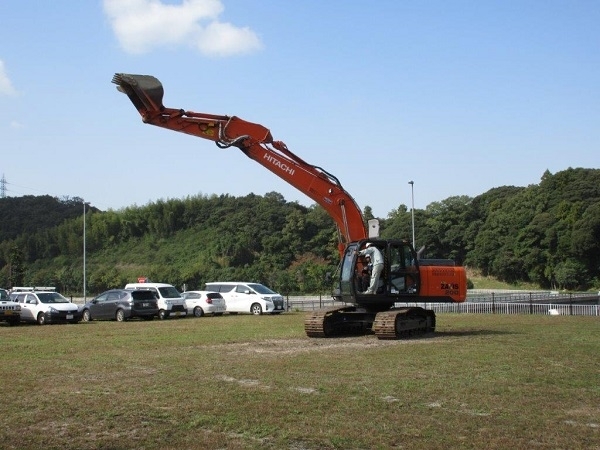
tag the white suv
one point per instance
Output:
(9, 311)
(252, 298)
(46, 307)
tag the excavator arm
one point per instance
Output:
(255, 141)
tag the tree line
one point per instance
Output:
(548, 234)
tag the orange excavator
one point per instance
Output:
(404, 277)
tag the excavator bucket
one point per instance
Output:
(144, 91)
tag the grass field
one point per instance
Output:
(246, 382)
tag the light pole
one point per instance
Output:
(412, 211)
(84, 285)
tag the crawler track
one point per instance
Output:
(403, 323)
(346, 321)
(332, 322)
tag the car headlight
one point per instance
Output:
(53, 310)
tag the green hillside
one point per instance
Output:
(545, 235)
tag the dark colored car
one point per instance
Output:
(120, 305)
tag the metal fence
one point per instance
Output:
(511, 296)
(310, 303)
(512, 308)
(517, 304)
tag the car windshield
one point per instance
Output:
(169, 292)
(52, 297)
(261, 289)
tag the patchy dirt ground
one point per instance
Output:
(296, 346)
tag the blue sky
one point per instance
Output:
(458, 96)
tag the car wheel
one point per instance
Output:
(41, 319)
(85, 316)
(120, 315)
(198, 312)
(162, 314)
(256, 309)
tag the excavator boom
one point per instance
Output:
(146, 93)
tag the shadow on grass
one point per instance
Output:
(427, 336)
(463, 333)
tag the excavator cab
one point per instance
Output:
(399, 281)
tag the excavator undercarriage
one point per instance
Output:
(354, 321)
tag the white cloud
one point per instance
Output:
(6, 87)
(222, 39)
(143, 25)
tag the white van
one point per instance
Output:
(170, 301)
(251, 298)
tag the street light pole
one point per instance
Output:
(412, 210)
(84, 284)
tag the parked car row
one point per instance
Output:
(139, 300)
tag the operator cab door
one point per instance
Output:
(349, 271)
(401, 270)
